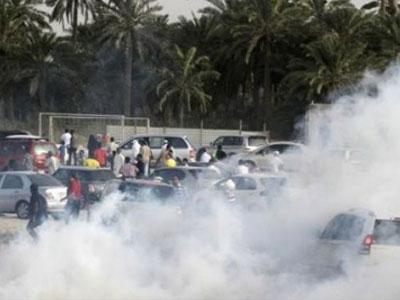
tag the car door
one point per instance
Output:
(127, 148)
(245, 188)
(11, 191)
(230, 144)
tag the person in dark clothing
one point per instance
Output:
(72, 149)
(140, 166)
(92, 145)
(220, 154)
(37, 211)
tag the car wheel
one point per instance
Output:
(22, 209)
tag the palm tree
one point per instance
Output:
(69, 10)
(183, 85)
(119, 22)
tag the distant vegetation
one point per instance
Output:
(262, 61)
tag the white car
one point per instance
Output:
(358, 236)
(293, 155)
(233, 144)
(15, 192)
(253, 188)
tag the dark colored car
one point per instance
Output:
(15, 149)
(97, 178)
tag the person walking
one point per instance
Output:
(119, 160)
(139, 166)
(28, 161)
(52, 164)
(63, 151)
(145, 151)
(92, 145)
(72, 149)
(112, 145)
(128, 170)
(74, 198)
(37, 211)
(220, 154)
(276, 163)
(205, 157)
(135, 149)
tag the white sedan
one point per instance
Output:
(15, 192)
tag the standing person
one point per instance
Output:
(28, 161)
(92, 145)
(139, 166)
(52, 164)
(170, 161)
(63, 151)
(220, 154)
(100, 155)
(112, 145)
(66, 138)
(128, 170)
(205, 157)
(91, 163)
(119, 160)
(145, 151)
(135, 149)
(242, 169)
(72, 148)
(180, 191)
(276, 162)
(185, 162)
(74, 198)
(37, 211)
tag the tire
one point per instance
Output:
(22, 209)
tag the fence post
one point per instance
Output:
(148, 126)
(40, 124)
(51, 137)
(240, 126)
(123, 127)
(201, 132)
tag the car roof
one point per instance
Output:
(80, 168)
(242, 135)
(21, 173)
(142, 182)
(285, 143)
(24, 136)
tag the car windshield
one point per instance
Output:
(257, 141)
(44, 180)
(44, 148)
(387, 232)
(344, 227)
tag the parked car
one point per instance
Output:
(15, 147)
(358, 236)
(5, 133)
(15, 192)
(93, 180)
(293, 155)
(182, 146)
(233, 144)
(252, 188)
(192, 178)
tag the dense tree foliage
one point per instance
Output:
(262, 61)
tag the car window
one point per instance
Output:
(44, 148)
(177, 143)
(127, 146)
(156, 142)
(6, 148)
(229, 141)
(143, 192)
(344, 227)
(282, 148)
(61, 174)
(257, 141)
(44, 180)
(168, 174)
(100, 175)
(387, 232)
(218, 141)
(21, 147)
(12, 182)
(244, 183)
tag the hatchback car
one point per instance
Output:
(15, 147)
(93, 180)
(15, 192)
(233, 144)
(192, 178)
(358, 235)
(182, 146)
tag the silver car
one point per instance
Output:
(15, 192)
(234, 144)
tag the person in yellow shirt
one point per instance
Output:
(91, 163)
(170, 162)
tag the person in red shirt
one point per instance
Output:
(74, 198)
(100, 155)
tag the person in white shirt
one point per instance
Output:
(136, 149)
(112, 146)
(66, 138)
(276, 162)
(52, 164)
(205, 157)
(242, 169)
(119, 161)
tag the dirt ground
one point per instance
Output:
(10, 226)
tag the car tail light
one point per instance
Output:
(366, 246)
(192, 153)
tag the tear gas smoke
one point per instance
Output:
(225, 250)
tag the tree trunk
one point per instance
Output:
(267, 83)
(128, 77)
(75, 23)
(42, 90)
(181, 115)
